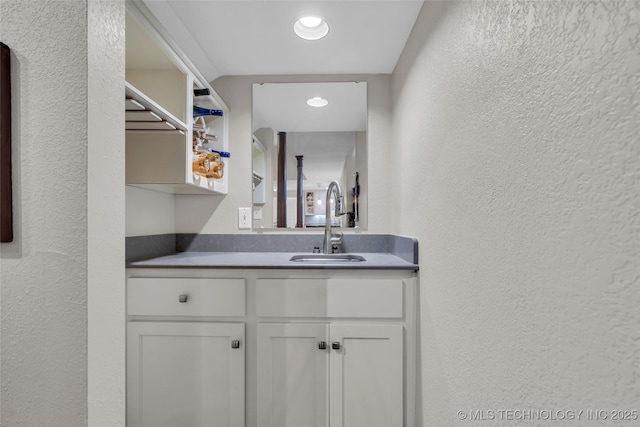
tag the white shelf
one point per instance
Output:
(132, 105)
(159, 118)
(150, 109)
(149, 126)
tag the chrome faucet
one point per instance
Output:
(331, 239)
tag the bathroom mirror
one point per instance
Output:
(292, 129)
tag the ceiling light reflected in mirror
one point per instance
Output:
(317, 101)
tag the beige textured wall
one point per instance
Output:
(43, 277)
(517, 125)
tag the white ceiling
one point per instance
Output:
(245, 37)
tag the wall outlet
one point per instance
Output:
(244, 218)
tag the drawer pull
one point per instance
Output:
(335, 345)
(235, 344)
(183, 298)
(322, 345)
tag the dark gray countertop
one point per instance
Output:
(260, 260)
(381, 251)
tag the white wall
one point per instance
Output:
(68, 246)
(44, 271)
(219, 214)
(106, 223)
(517, 124)
(149, 212)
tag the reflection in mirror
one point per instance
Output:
(298, 149)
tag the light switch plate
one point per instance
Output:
(244, 218)
(257, 212)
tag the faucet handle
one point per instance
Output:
(340, 206)
(335, 240)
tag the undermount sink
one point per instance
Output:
(327, 258)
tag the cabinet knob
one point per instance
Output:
(235, 344)
(335, 345)
(183, 298)
(322, 345)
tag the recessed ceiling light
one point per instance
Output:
(311, 28)
(310, 21)
(317, 101)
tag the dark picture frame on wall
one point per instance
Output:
(6, 209)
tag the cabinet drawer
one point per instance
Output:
(204, 297)
(381, 298)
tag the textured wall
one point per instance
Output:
(106, 205)
(518, 123)
(217, 214)
(43, 277)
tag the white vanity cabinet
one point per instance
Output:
(184, 367)
(185, 374)
(318, 348)
(293, 375)
(338, 375)
(366, 367)
(343, 370)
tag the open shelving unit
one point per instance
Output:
(159, 100)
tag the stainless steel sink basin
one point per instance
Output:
(327, 258)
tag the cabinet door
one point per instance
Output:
(293, 375)
(366, 376)
(185, 374)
